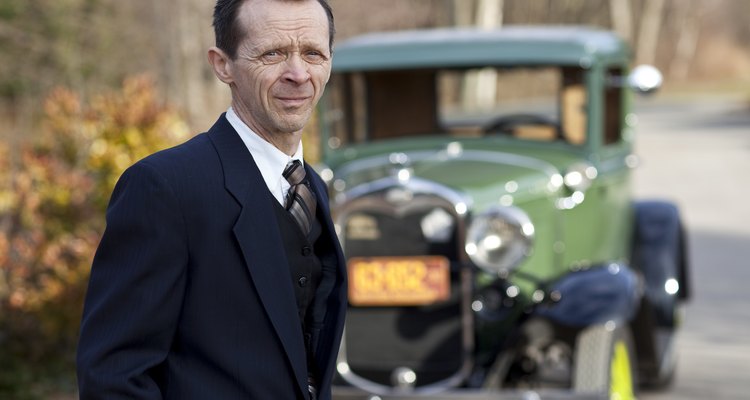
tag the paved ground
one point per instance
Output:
(697, 153)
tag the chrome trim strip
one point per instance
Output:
(415, 185)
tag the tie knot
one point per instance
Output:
(294, 173)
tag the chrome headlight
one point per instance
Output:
(499, 239)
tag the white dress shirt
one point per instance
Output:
(270, 160)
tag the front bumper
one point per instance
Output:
(346, 393)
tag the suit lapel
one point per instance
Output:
(259, 238)
(334, 295)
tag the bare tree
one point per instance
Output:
(463, 11)
(480, 88)
(184, 29)
(688, 19)
(489, 14)
(648, 34)
(622, 18)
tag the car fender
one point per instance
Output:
(659, 255)
(593, 296)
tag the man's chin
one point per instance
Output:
(293, 123)
(291, 126)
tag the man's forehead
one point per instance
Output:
(262, 10)
(257, 15)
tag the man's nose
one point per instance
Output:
(296, 69)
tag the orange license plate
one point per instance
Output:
(403, 281)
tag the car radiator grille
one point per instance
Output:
(425, 339)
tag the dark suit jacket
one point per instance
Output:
(191, 295)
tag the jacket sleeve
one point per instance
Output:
(135, 291)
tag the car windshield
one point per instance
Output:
(537, 103)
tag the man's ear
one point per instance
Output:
(221, 64)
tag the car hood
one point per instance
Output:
(483, 175)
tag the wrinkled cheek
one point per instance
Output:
(318, 88)
(263, 96)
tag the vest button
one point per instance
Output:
(306, 251)
(302, 281)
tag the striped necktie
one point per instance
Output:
(300, 201)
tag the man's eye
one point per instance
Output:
(273, 56)
(314, 57)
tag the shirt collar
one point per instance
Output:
(270, 160)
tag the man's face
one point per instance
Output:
(282, 64)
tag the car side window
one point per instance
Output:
(613, 103)
(573, 106)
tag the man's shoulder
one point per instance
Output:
(194, 149)
(182, 160)
(193, 152)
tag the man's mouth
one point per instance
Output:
(293, 101)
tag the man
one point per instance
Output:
(219, 275)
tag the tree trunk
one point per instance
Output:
(489, 14)
(186, 35)
(480, 88)
(688, 19)
(463, 11)
(648, 36)
(622, 19)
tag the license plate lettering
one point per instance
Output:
(398, 280)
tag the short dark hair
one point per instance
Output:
(229, 33)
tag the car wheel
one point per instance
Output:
(605, 362)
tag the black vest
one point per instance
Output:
(304, 264)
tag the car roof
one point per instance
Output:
(469, 47)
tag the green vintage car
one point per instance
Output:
(480, 183)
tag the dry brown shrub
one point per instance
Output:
(52, 208)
